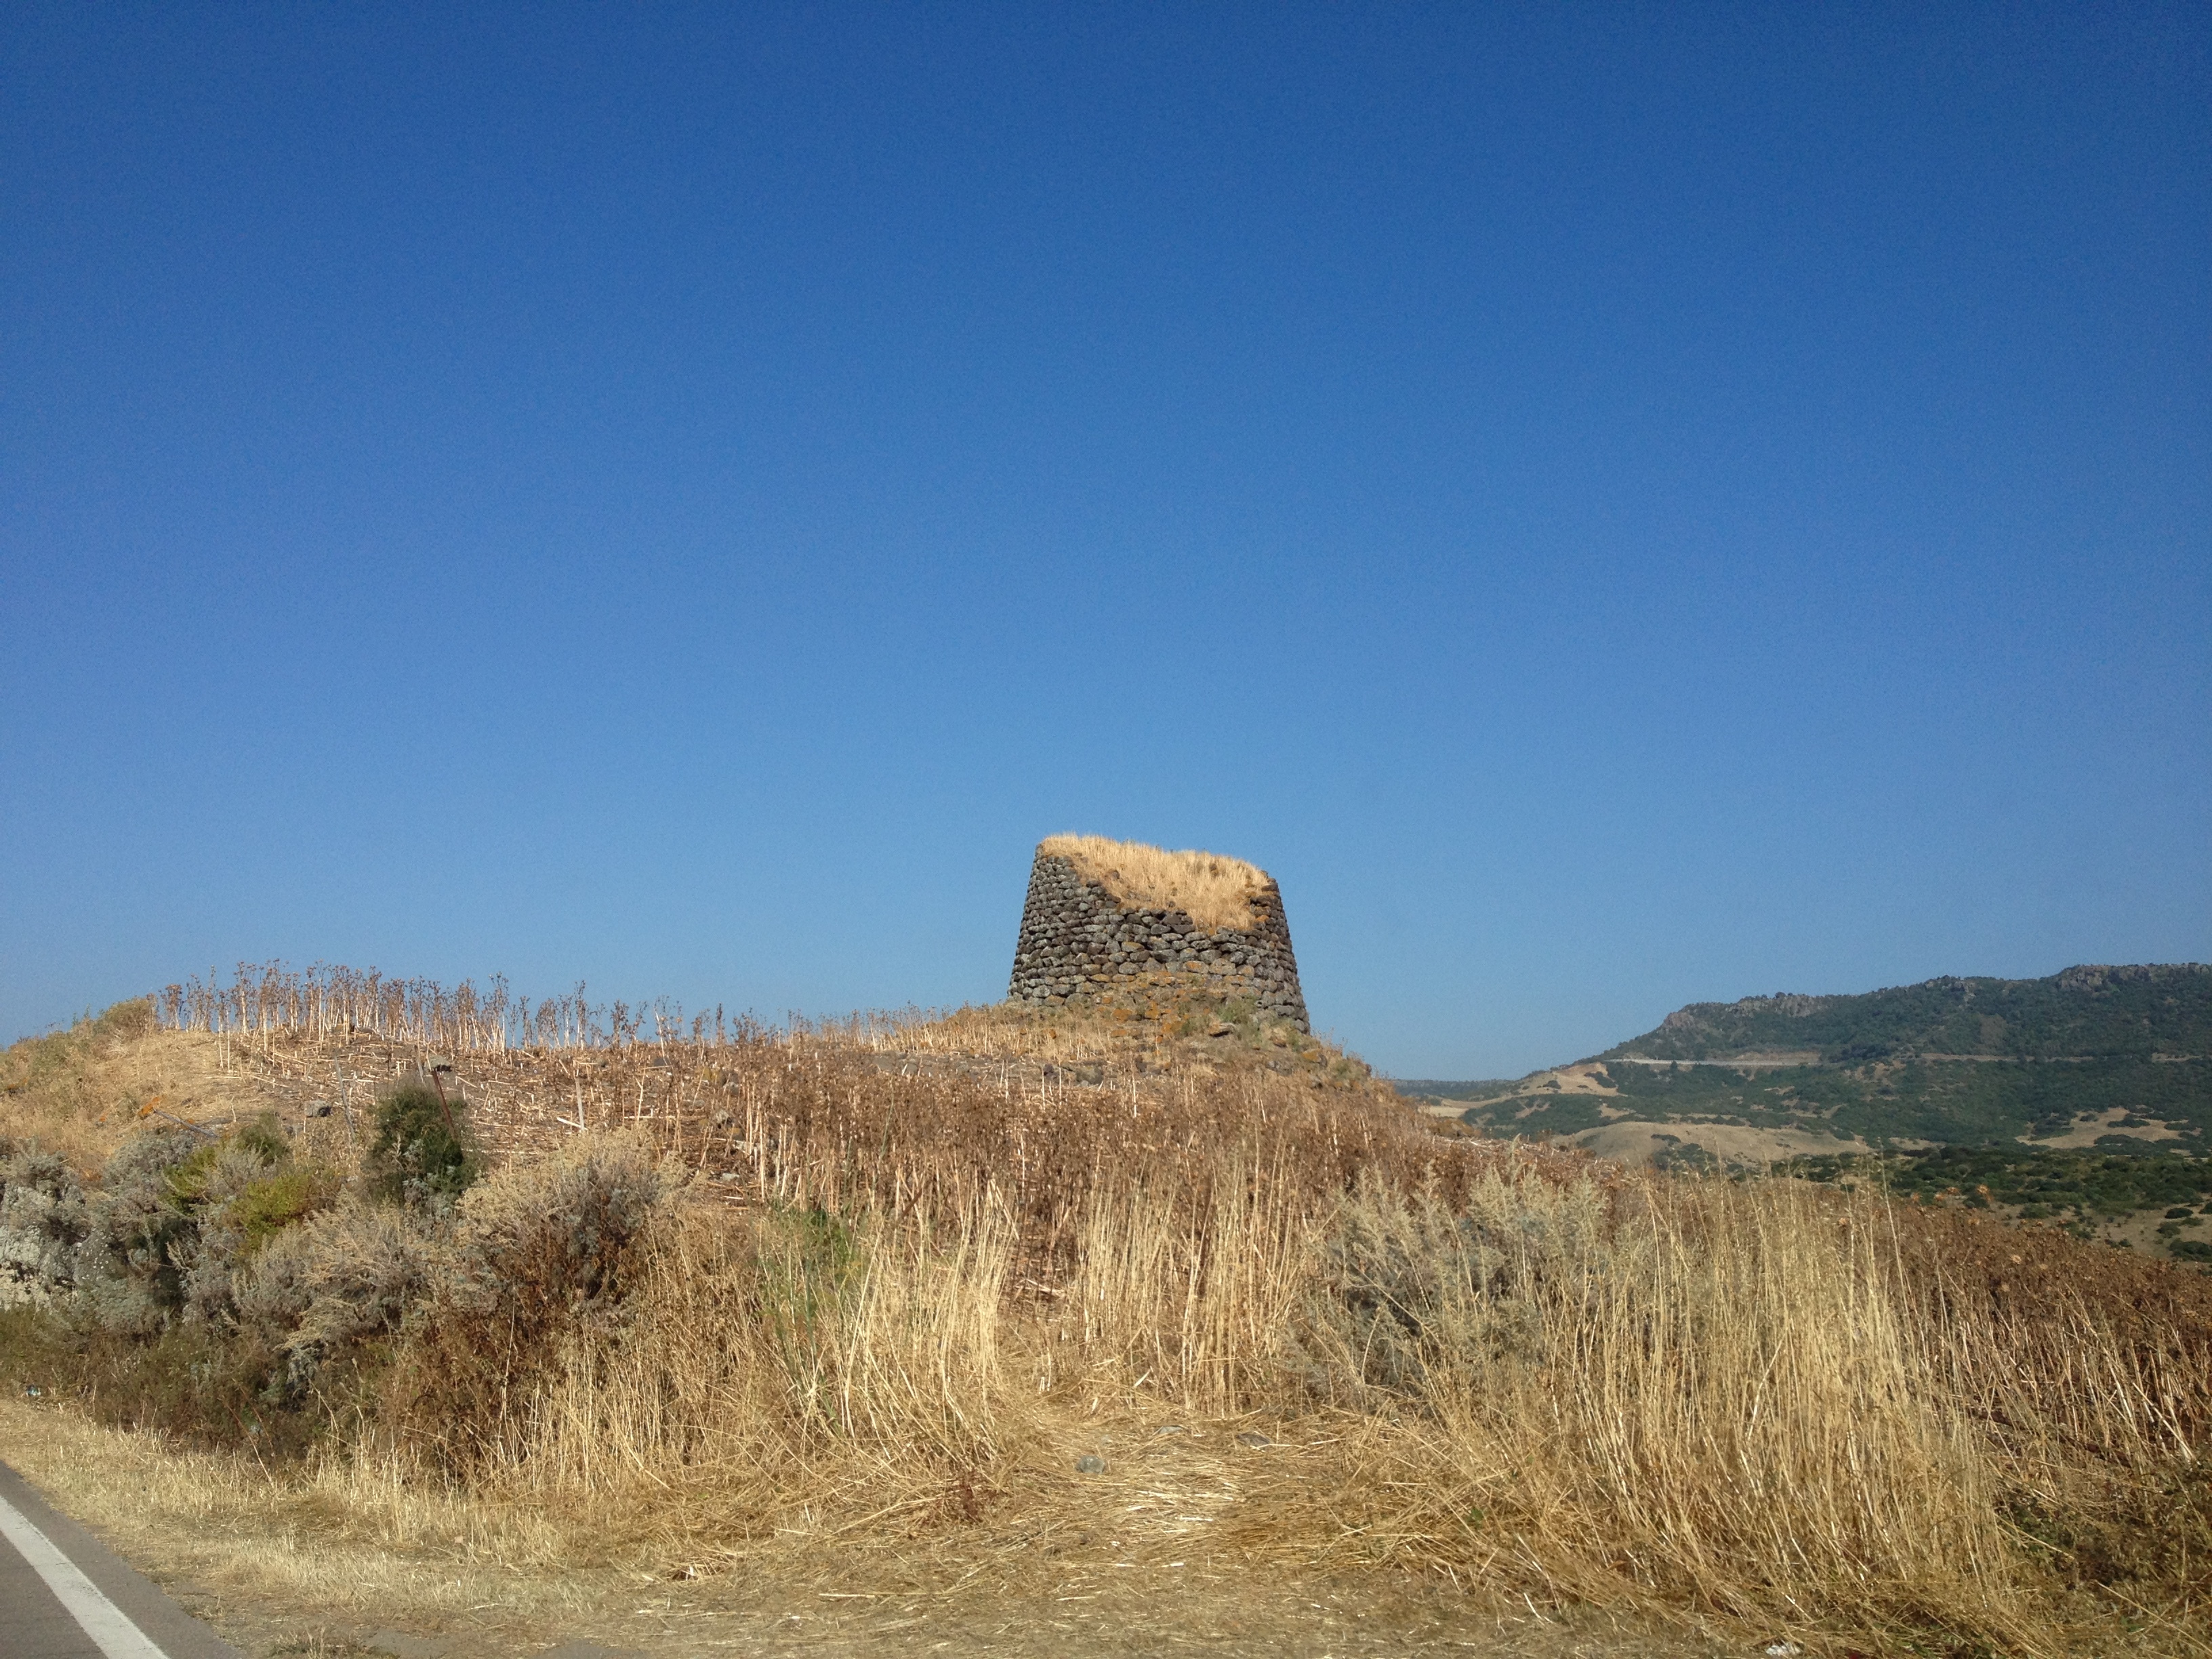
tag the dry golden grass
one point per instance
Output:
(83, 1091)
(1214, 891)
(1727, 1407)
(316, 1561)
(343, 1533)
(888, 1281)
(899, 1114)
(1718, 1405)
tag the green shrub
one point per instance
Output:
(423, 1155)
(130, 1267)
(268, 1207)
(330, 1293)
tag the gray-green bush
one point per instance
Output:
(423, 1155)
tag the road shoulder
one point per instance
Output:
(176, 1632)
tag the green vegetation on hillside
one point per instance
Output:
(2099, 1012)
(1953, 1102)
(2046, 1185)
(2092, 1053)
(1968, 1101)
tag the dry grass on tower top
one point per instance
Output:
(1214, 891)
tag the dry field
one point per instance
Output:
(1004, 1331)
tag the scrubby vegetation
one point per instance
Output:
(2108, 1056)
(2104, 1012)
(897, 1277)
(421, 1155)
(2038, 1184)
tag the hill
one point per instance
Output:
(2095, 1062)
(1015, 1313)
(2102, 1012)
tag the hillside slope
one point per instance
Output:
(2104, 1012)
(2118, 1057)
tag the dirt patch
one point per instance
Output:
(2090, 1126)
(1764, 1061)
(1586, 1079)
(1637, 1141)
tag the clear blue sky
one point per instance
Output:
(1614, 505)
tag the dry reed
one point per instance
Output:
(1738, 1402)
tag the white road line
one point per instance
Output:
(108, 1625)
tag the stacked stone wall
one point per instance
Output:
(1079, 942)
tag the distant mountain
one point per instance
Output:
(2114, 1058)
(2083, 1013)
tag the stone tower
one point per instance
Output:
(1122, 923)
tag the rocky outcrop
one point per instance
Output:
(43, 1221)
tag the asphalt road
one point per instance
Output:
(63, 1594)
